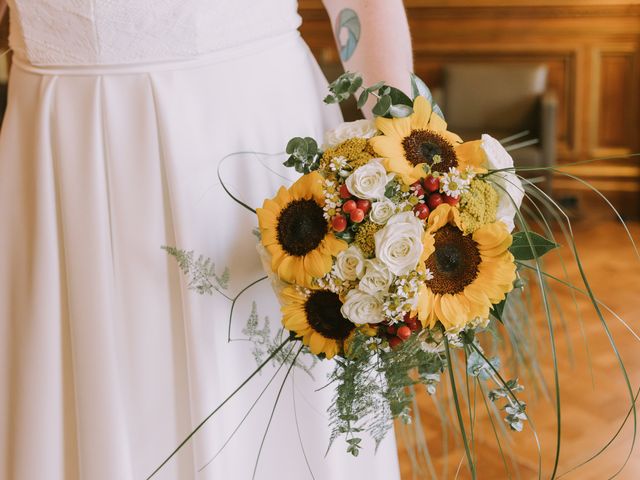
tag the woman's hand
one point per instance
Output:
(373, 39)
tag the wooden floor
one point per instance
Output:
(593, 406)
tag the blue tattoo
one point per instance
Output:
(347, 20)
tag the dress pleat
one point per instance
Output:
(107, 358)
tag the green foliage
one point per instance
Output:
(372, 387)
(391, 102)
(486, 369)
(201, 271)
(530, 245)
(498, 309)
(477, 367)
(304, 154)
(343, 87)
(419, 88)
(265, 344)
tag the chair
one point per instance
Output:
(503, 100)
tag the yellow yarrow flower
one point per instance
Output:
(357, 151)
(478, 206)
(364, 238)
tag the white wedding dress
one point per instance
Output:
(119, 114)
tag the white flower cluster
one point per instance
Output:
(340, 165)
(454, 183)
(403, 295)
(331, 199)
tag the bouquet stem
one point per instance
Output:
(255, 372)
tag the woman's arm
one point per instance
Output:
(373, 39)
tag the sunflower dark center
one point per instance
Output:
(454, 263)
(425, 146)
(301, 227)
(323, 314)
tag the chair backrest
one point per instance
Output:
(493, 97)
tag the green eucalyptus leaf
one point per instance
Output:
(375, 86)
(498, 309)
(530, 245)
(330, 99)
(398, 97)
(383, 105)
(362, 100)
(355, 85)
(292, 144)
(399, 111)
(312, 146)
(436, 109)
(419, 88)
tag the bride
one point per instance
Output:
(119, 113)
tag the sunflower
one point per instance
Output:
(410, 144)
(296, 233)
(466, 273)
(314, 316)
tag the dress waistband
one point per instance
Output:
(217, 56)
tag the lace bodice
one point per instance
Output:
(103, 32)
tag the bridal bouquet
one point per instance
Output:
(392, 254)
(394, 247)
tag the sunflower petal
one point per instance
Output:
(471, 154)
(388, 147)
(394, 127)
(316, 343)
(421, 114)
(282, 198)
(316, 264)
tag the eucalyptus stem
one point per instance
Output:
(255, 372)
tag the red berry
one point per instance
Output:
(339, 223)
(435, 199)
(413, 324)
(394, 342)
(349, 206)
(431, 184)
(391, 329)
(357, 215)
(344, 192)
(419, 191)
(422, 211)
(450, 200)
(404, 332)
(364, 205)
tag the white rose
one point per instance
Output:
(399, 243)
(349, 264)
(382, 211)
(347, 130)
(368, 181)
(508, 185)
(360, 308)
(377, 278)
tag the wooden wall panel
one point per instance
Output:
(592, 49)
(615, 112)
